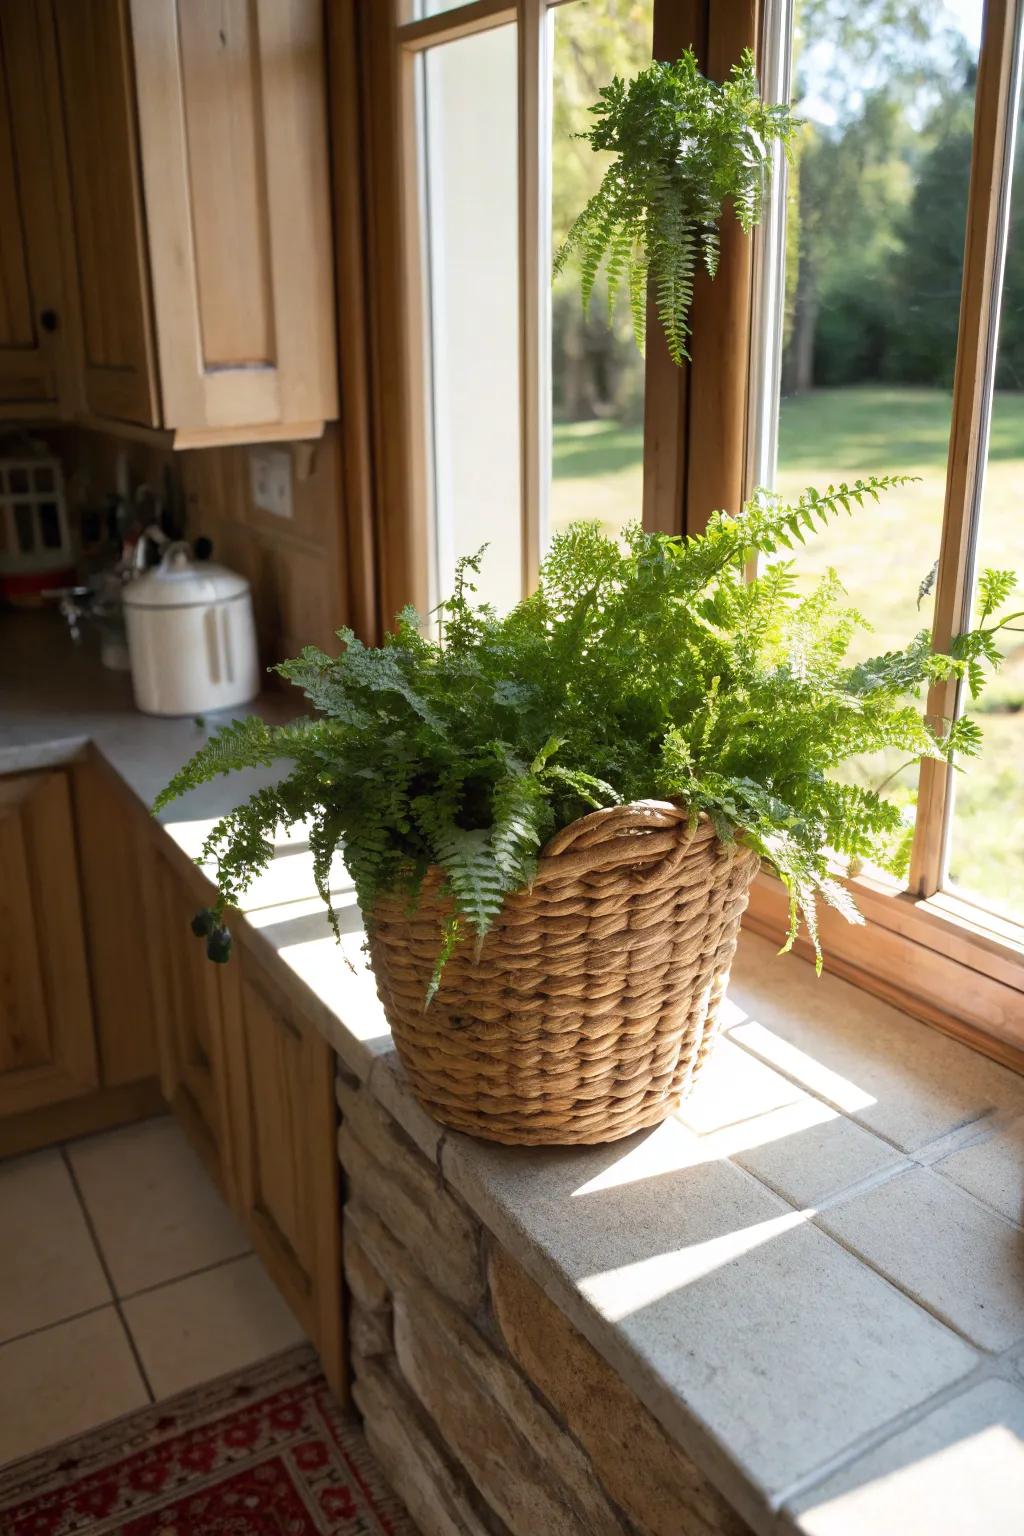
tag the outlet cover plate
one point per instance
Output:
(270, 480)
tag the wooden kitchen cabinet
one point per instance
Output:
(95, 106)
(114, 842)
(34, 356)
(233, 128)
(284, 1119)
(165, 202)
(190, 1032)
(47, 1045)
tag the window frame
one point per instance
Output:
(929, 950)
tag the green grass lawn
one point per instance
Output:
(882, 555)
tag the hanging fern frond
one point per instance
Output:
(683, 145)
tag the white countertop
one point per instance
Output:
(814, 1276)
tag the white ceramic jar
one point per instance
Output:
(191, 636)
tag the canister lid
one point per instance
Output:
(181, 582)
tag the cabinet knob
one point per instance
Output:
(49, 319)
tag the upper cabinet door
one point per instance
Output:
(33, 318)
(96, 89)
(233, 128)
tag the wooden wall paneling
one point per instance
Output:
(111, 850)
(232, 116)
(47, 1046)
(96, 89)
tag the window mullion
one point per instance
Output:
(534, 128)
(987, 214)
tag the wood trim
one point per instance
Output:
(461, 21)
(916, 959)
(91, 1112)
(534, 132)
(228, 437)
(722, 311)
(348, 152)
(678, 24)
(987, 212)
(397, 376)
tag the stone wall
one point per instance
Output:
(491, 1414)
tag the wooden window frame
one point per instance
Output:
(928, 950)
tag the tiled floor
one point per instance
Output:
(123, 1278)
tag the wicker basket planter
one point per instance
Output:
(594, 1001)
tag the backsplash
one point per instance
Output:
(295, 564)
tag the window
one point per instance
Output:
(893, 269)
(857, 333)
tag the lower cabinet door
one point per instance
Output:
(47, 1046)
(190, 1032)
(281, 1082)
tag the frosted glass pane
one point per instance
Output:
(471, 205)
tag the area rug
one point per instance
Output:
(263, 1452)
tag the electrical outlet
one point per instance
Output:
(270, 479)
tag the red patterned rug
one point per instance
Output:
(264, 1452)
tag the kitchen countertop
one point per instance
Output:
(814, 1275)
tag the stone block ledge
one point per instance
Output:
(798, 1306)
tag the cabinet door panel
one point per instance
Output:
(233, 126)
(189, 1028)
(47, 1049)
(286, 1164)
(113, 841)
(98, 95)
(33, 360)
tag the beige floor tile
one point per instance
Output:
(993, 1170)
(49, 1268)
(65, 1380)
(195, 1329)
(156, 1212)
(958, 1472)
(943, 1248)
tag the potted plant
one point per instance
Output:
(682, 146)
(552, 817)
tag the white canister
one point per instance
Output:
(191, 636)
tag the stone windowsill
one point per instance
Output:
(813, 1277)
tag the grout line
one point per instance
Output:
(918, 1301)
(58, 1322)
(109, 1277)
(875, 1439)
(188, 1274)
(978, 1128)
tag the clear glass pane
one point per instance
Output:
(470, 198)
(986, 853)
(597, 372)
(874, 253)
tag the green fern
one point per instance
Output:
(653, 669)
(682, 146)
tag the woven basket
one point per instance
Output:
(593, 1003)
